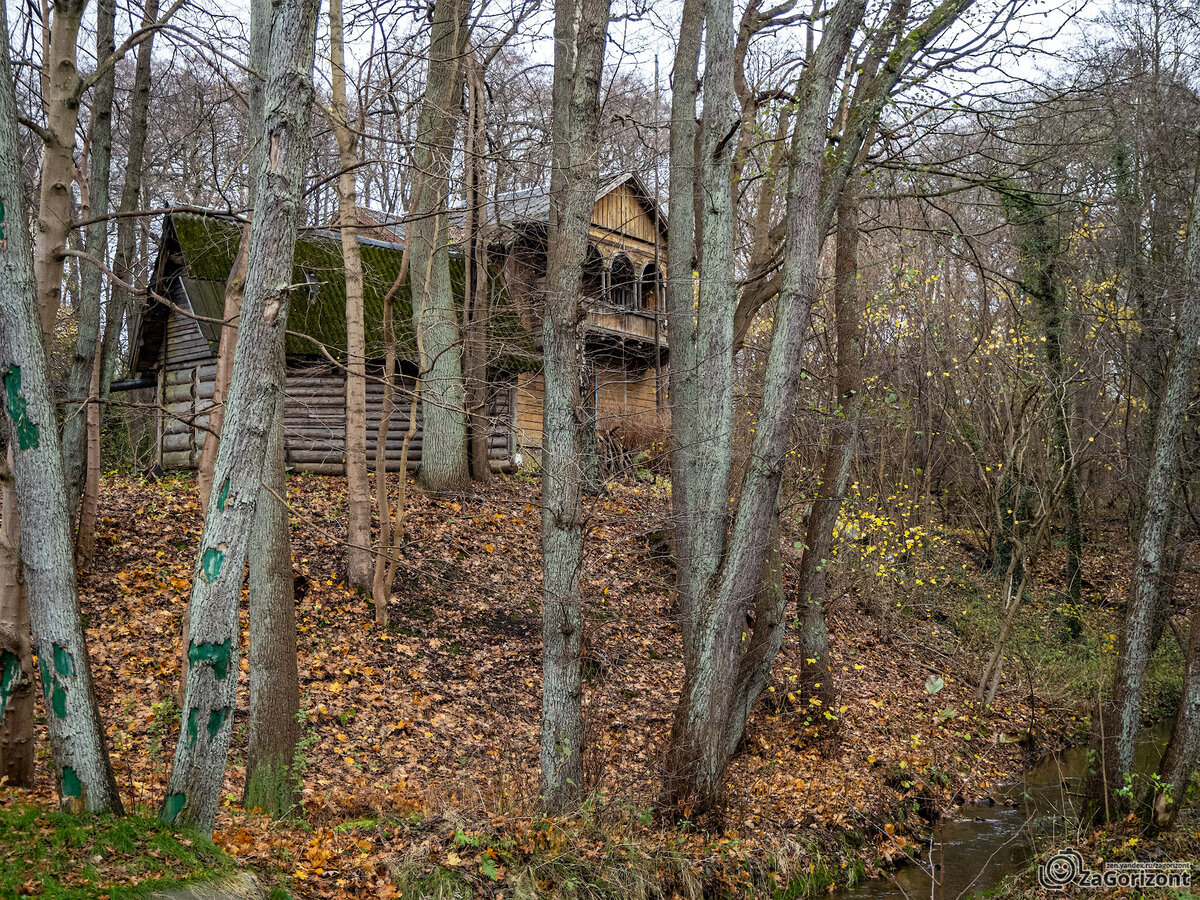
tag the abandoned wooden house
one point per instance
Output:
(175, 341)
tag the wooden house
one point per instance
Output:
(175, 341)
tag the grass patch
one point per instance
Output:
(58, 856)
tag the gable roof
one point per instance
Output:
(199, 250)
(528, 206)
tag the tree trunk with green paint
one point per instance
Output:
(444, 436)
(198, 769)
(83, 774)
(580, 31)
(274, 677)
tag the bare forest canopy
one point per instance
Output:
(744, 432)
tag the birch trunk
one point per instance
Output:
(444, 438)
(358, 489)
(62, 87)
(83, 775)
(198, 770)
(580, 31)
(77, 412)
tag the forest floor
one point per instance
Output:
(420, 749)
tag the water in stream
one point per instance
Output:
(980, 845)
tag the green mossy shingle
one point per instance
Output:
(209, 245)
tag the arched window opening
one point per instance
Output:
(593, 275)
(650, 287)
(623, 282)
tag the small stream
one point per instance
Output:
(981, 844)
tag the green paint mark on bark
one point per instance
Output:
(58, 700)
(216, 655)
(27, 432)
(71, 785)
(210, 564)
(63, 663)
(172, 807)
(191, 725)
(216, 719)
(10, 673)
(223, 496)
(44, 676)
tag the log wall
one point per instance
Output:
(314, 417)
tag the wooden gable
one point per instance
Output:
(623, 220)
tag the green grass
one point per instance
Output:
(57, 856)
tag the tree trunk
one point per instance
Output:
(476, 305)
(816, 678)
(198, 770)
(444, 438)
(1114, 731)
(63, 87)
(83, 775)
(580, 31)
(722, 584)
(358, 490)
(131, 188)
(89, 508)
(274, 678)
(16, 659)
(1179, 759)
(77, 417)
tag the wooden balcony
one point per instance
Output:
(614, 324)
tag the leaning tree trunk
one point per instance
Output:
(83, 774)
(358, 489)
(274, 676)
(1183, 748)
(580, 30)
(1114, 729)
(444, 435)
(718, 663)
(80, 399)
(16, 659)
(198, 770)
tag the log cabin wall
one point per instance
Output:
(314, 411)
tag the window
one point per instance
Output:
(624, 284)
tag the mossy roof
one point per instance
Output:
(209, 243)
